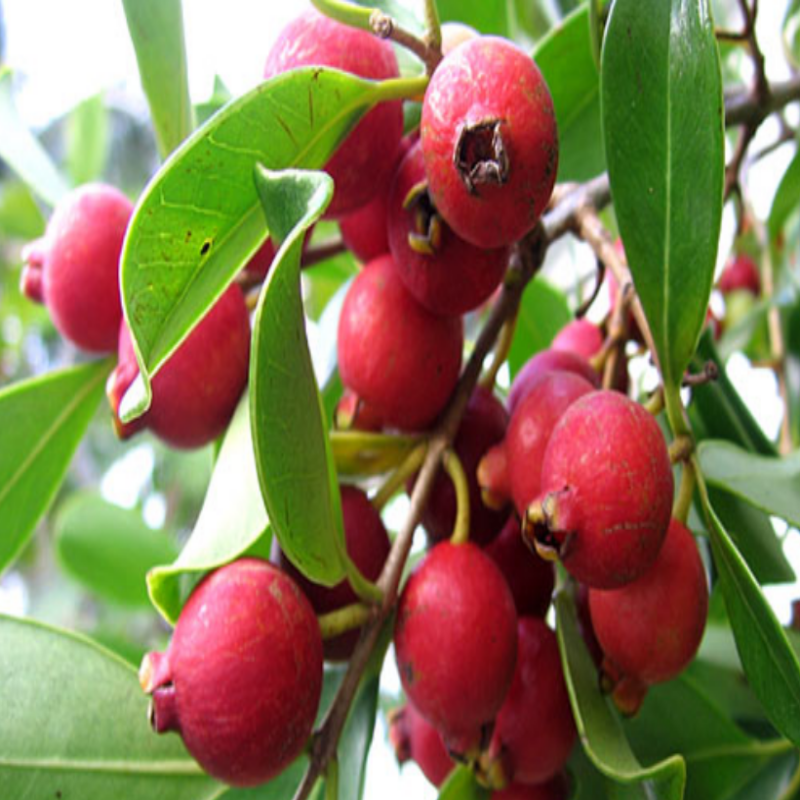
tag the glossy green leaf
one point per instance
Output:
(21, 150)
(543, 312)
(87, 140)
(566, 60)
(74, 724)
(20, 216)
(461, 785)
(156, 30)
(290, 433)
(751, 531)
(108, 548)
(769, 662)
(791, 31)
(770, 484)
(486, 16)
(530, 20)
(200, 219)
(232, 521)
(44, 420)
(723, 413)
(599, 727)
(787, 196)
(663, 126)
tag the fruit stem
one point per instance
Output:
(332, 779)
(455, 470)
(655, 403)
(501, 351)
(675, 411)
(401, 88)
(365, 589)
(683, 502)
(363, 453)
(397, 479)
(335, 623)
(433, 28)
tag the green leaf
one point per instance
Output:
(21, 150)
(295, 464)
(566, 60)
(200, 218)
(108, 548)
(87, 140)
(723, 414)
(663, 121)
(486, 16)
(754, 537)
(770, 484)
(232, 521)
(543, 312)
(787, 195)
(461, 785)
(74, 724)
(791, 32)
(599, 727)
(156, 30)
(770, 664)
(44, 420)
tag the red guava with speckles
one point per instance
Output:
(242, 676)
(488, 133)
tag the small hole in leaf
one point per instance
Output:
(206, 247)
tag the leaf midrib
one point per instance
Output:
(168, 767)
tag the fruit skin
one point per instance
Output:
(530, 429)
(242, 676)
(486, 90)
(607, 488)
(534, 731)
(400, 359)
(196, 391)
(483, 424)
(445, 273)
(414, 738)
(455, 640)
(579, 336)
(360, 164)
(541, 364)
(555, 789)
(651, 628)
(368, 546)
(78, 265)
(740, 273)
(530, 578)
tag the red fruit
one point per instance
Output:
(414, 738)
(242, 676)
(740, 273)
(530, 428)
(483, 424)
(606, 492)
(352, 413)
(75, 268)
(581, 337)
(534, 732)
(397, 357)
(530, 578)
(195, 393)
(361, 163)
(488, 133)
(368, 545)
(444, 272)
(455, 641)
(493, 477)
(650, 629)
(555, 789)
(543, 363)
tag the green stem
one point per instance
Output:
(675, 413)
(399, 477)
(335, 623)
(365, 589)
(455, 470)
(501, 351)
(332, 780)
(683, 502)
(348, 13)
(402, 88)
(433, 28)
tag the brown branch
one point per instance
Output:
(385, 27)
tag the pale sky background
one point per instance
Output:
(64, 52)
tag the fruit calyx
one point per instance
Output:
(426, 238)
(544, 528)
(480, 155)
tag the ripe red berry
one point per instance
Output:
(360, 165)
(555, 789)
(543, 363)
(740, 273)
(534, 731)
(75, 268)
(606, 494)
(242, 676)
(650, 629)
(368, 546)
(353, 413)
(445, 273)
(579, 336)
(414, 738)
(196, 391)
(455, 640)
(530, 578)
(400, 359)
(483, 424)
(488, 133)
